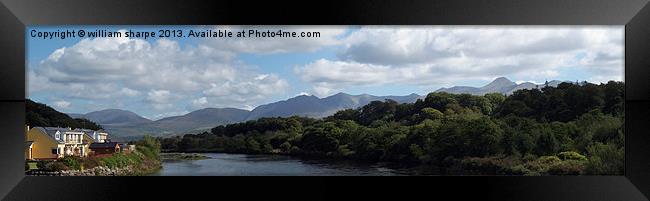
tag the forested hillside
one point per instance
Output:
(568, 129)
(38, 114)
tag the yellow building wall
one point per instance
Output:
(27, 156)
(43, 144)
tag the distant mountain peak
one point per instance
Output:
(305, 97)
(500, 82)
(499, 85)
(502, 79)
(338, 95)
(115, 116)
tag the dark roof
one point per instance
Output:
(51, 131)
(89, 132)
(103, 145)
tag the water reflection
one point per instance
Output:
(221, 164)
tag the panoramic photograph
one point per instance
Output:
(324, 100)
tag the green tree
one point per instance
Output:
(547, 143)
(430, 113)
(605, 159)
(495, 100)
(321, 138)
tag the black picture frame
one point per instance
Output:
(15, 15)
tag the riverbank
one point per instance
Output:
(96, 171)
(118, 164)
(145, 160)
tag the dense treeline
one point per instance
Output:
(38, 114)
(568, 129)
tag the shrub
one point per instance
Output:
(529, 157)
(522, 170)
(90, 162)
(295, 150)
(41, 164)
(491, 165)
(568, 167)
(55, 166)
(542, 164)
(417, 153)
(605, 159)
(285, 147)
(344, 151)
(72, 162)
(149, 146)
(549, 159)
(571, 155)
(120, 160)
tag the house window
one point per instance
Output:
(57, 136)
(55, 151)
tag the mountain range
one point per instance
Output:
(312, 106)
(112, 117)
(128, 124)
(500, 85)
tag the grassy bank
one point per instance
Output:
(182, 156)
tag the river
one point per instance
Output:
(222, 164)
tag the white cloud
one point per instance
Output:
(199, 103)
(254, 89)
(433, 55)
(324, 70)
(168, 76)
(302, 94)
(604, 78)
(156, 72)
(330, 77)
(129, 92)
(531, 81)
(159, 96)
(401, 45)
(248, 107)
(62, 105)
(160, 99)
(325, 89)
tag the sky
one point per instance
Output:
(160, 77)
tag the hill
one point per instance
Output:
(38, 114)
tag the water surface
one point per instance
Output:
(222, 164)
